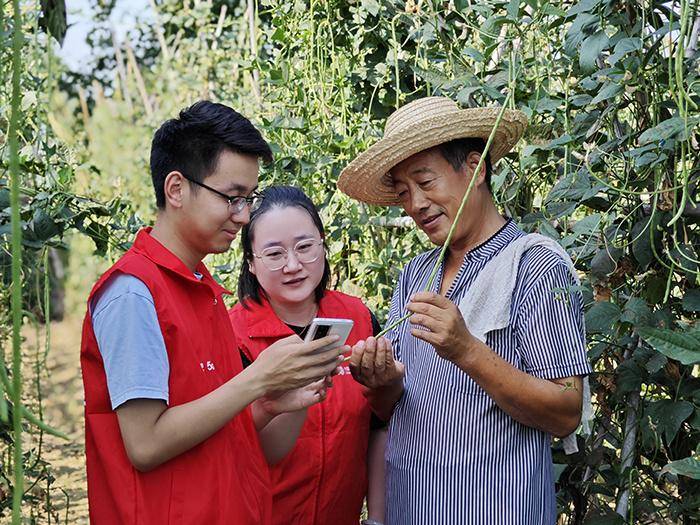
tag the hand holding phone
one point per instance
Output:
(323, 326)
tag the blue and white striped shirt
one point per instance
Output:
(453, 456)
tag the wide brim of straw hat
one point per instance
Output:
(367, 178)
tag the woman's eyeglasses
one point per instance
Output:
(306, 251)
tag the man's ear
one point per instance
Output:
(471, 163)
(174, 189)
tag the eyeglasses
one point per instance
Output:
(306, 251)
(236, 203)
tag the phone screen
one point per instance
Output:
(321, 331)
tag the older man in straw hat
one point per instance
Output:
(494, 352)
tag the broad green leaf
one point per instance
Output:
(583, 24)
(681, 346)
(604, 261)
(601, 316)
(609, 90)
(641, 243)
(656, 363)
(512, 9)
(582, 7)
(588, 224)
(689, 467)
(667, 129)
(691, 300)
(636, 311)
(474, 53)
(623, 47)
(371, 6)
(591, 47)
(669, 415)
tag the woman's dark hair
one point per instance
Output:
(193, 142)
(276, 197)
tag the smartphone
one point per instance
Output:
(321, 327)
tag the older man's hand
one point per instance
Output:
(372, 364)
(446, 329)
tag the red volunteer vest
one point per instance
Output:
(323, 480)
(223, 479)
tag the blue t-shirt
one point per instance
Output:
(130, 341)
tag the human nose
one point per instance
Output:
(242, 216)
(292, 265)
(418, 200)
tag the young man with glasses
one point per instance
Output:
(172, 419)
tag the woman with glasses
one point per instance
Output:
(335, 445)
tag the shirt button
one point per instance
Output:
(215, 301)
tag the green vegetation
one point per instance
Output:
(609, 167)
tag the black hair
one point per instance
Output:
(193, 142)
(276, 197)
(456, 152)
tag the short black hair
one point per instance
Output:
(276, 197)
(193, 142)
(456, 152)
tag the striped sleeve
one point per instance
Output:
(550, 329)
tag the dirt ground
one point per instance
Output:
(62, 394)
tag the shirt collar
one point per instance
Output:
(499, 240)
(153, 250)
(262, 320)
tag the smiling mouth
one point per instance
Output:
(430, 220)
(295, 281)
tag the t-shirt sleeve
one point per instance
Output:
(550, 328)
(131, 344)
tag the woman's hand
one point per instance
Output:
(297, 399)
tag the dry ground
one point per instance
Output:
(62, 394)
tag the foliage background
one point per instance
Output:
(609, 167)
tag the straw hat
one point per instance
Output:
(415, 127)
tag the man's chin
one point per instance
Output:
(437, 238)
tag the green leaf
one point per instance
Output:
(591, 47)
(623, 47)
(681, 346)
(669, 415)
(4, 198)
(656, 363)
(54, 19)
(583, 6)
(371, 6)
(641, 242)
(582, 25)
(667, 129)
(691, 300)
(636, 312)
(689, 467)
(601, 316)
(474, 53)
(609, 90)
(604, 262)
(512, 9)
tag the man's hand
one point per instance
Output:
(372, 364)
(290, 363)
(446, 330)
